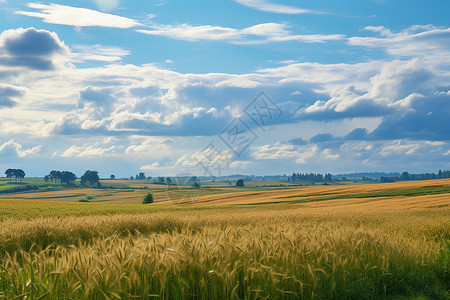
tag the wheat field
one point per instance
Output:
(348, 248)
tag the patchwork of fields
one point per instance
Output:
(319, 242)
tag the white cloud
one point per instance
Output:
(282, 151)
(309, 38)
(151, 167)
(98, 53)
(194, 33)
(417, 40)
(14, 149)
(107, 4)
(257, 34)
(276, 151)
(264, 5)
(9, 94)
(151, 145)
(77, 16)
(91, 150)
(266, 29)
(33, 49)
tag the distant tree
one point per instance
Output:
(137, 177)
(161, 180)
(90, 176)
(149, 178)
(9, 174)
(19, 173)
(196, 185)
(148, 199)
(169, 180)
(68, 177)
(194, 178)
(240, 183)
(46, 178)
(440, 174)
(405, 176)
(112, 176)
(142, 176)
(55, 175)
(385, 179)
(131, 177)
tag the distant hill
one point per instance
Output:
(376, 175)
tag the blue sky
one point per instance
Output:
(129, 86)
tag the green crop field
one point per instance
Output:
(389, 244)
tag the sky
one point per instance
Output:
(210, 87)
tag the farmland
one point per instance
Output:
(315, 242)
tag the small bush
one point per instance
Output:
(148, 199)
(83, 200)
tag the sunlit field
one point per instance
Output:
(321, 242)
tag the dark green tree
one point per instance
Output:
(405, 176)
(89, 176)
(9, 174)
(19, 173)
(240, 183)
(68, 177)
(55, 175)
(148, 199)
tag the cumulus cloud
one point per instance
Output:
(9, 94)
(14, 149)
(417, 40)
(76, 16)
(150, 145)
(88, 151)
(151, 101)
(267, 6)
(283, 151)
(260, 33)
(102, 147)
(366, 154)
(405, 94)
(32, 48)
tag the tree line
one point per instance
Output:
(310, 177)
(69, 178)
(16, 173)
(424, 176)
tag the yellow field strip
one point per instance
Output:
(330, 191)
